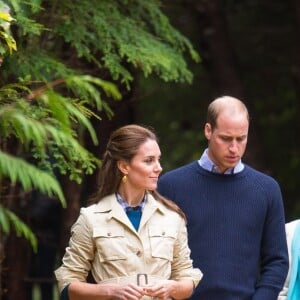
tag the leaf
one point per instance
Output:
(8, 217)
(29, 176)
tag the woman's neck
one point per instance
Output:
(133, 198)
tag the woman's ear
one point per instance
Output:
(123, 166)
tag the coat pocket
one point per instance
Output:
(162, 239)
(110, 242)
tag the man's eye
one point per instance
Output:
(226, 139)
(241, 139)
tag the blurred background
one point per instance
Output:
(74, 71)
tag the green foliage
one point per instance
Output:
(85, 86)
(117, 36)
(45, 125)
(24, 12)
(7, 42)
(18, 170)
(111, 33)
(58, 80)
(7, 218)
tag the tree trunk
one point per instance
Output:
(72, 193)
(15, 261)
(15, 268)
(2, 257)
(15, 255)
(293, 206)
(295, 6)
(222, 63)
(219, 53)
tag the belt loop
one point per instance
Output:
(139, 275)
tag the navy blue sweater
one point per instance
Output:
(236, 231)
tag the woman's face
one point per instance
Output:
(144, 168)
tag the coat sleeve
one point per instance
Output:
(182, 265)
(76, 262)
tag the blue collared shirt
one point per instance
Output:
(206, 163)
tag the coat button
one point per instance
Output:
(138, 253)
(108, 234)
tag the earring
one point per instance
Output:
(124, 179)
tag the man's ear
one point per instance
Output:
(123, 166)
(207, 131)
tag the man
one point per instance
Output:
(235, 214)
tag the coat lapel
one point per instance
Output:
(112, 207)
(114, 210)
(150, 208)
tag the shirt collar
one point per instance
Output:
(125, 205)
(206, 163)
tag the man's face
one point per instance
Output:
(227, 142)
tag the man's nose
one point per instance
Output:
(233, 147)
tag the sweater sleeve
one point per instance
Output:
(265, 293)
(274, 253)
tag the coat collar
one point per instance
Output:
(110, 202)
(112, 207)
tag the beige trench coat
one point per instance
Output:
(104, 242)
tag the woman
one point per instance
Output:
(291, 289)
(131, 239)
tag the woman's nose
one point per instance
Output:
(158, 167)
